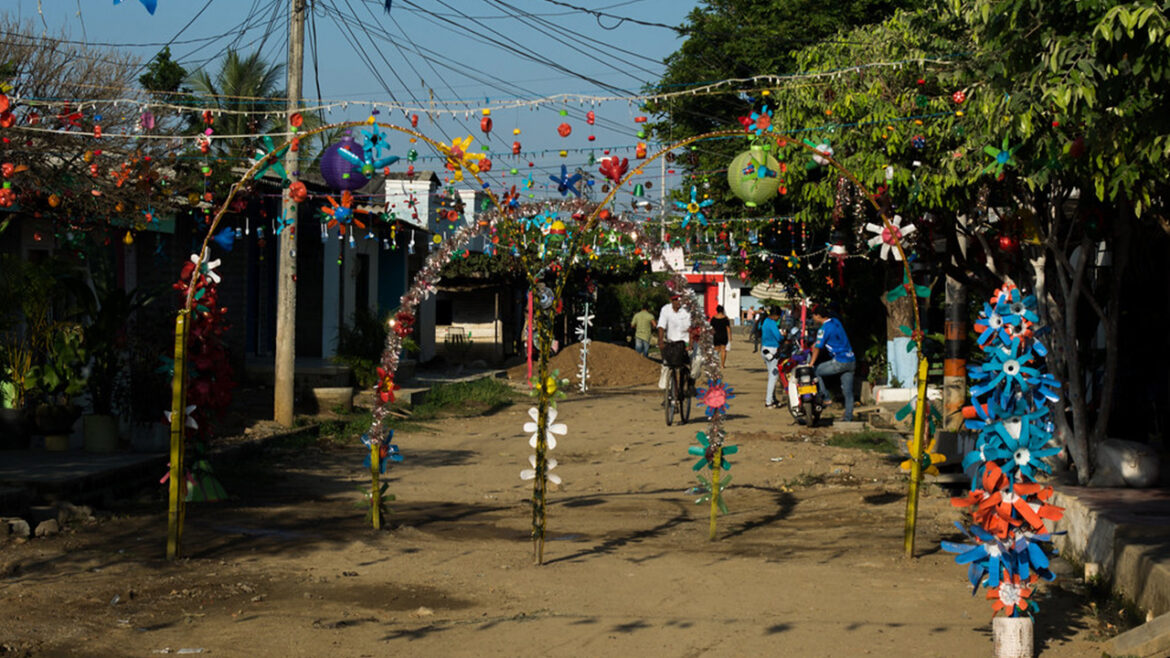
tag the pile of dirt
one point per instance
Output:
(609, 365)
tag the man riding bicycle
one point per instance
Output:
(674, 324)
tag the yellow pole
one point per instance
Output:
(916, 455)
(375, 487)
(715, 489)
(177, 492)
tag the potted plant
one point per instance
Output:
(25, 330)
(109, 311)
(58, 378)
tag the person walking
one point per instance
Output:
(831, 336)
(757, 327)
(770, 339)
(721, 334)
(644, 326)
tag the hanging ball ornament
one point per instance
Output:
(338, 172)
(754, 176)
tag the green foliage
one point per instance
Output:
(361, 342)
(880, 442)
(348, 429)
(60, 374)
(473, 398)
(740, 39)
(163, 76)
(244, 83)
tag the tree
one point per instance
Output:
(248, 90)
(68, 137)
(1059, 131)
(728, 39)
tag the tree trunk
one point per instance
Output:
(1122, 240)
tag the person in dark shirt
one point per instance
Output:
(721, 334)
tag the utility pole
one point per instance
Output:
(286, 283)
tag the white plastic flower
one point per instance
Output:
(190, 421)
(530, 473)
(551, 431)
(207, 266)
(888, 237)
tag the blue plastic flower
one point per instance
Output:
(566, 183)
(694, 208)
(1005, 373)
(984, 557)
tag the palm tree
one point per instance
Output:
(243, 83)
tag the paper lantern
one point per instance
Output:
(339, 173)
(754, 176)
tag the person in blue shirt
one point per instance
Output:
(831, 336)
(770, 339)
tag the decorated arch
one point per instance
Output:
(754, 176)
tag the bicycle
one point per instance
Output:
(678, 386)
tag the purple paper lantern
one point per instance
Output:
(337, 171)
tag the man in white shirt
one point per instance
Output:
(674, 332)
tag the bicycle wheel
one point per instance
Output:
(670, 394)
(684, 400)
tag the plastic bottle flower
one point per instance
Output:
(716, 397)
(343, 215)
(706, 453)
(1011, 596)
(1006, 372)
(387, 452)
(566, 183)
(458, 158)
(552, 430)
(550, 464)
(270, 158)
(1009, 396)
(694, 208)
(1018, 312)
(1001, 157)
(888, 236)
(760, 122)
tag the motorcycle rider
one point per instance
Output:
(831, 336)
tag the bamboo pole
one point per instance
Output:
(916, 446)
(177, 493)
(715, 469)
(375, 486)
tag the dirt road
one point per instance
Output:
(808, 562)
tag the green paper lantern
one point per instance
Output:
(754, 176)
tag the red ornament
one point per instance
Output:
(414, 121)
(297, 192)
(564, 130)
(959, 96)
(485, 124)
(1009, 243)
(590, 117)
(515, 148)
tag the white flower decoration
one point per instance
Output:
(553, 428)
(888, 237)
(530, 473)
(208, 266)
(190, 421)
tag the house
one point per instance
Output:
(469, 319)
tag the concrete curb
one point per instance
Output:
(1111, 528)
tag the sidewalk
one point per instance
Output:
(1126, 532)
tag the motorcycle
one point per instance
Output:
(799, 378)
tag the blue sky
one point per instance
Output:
(476, 50)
